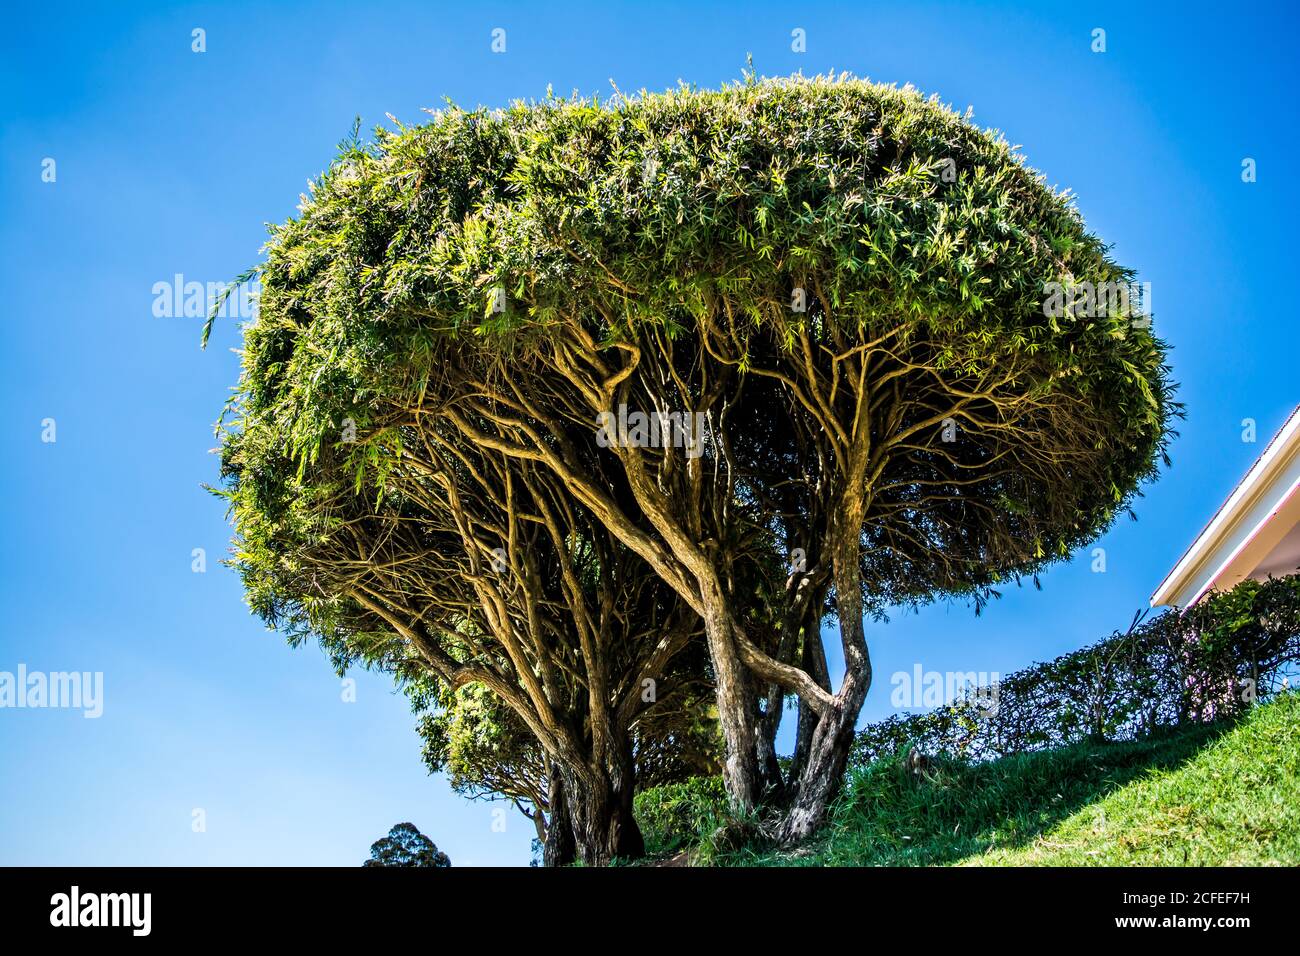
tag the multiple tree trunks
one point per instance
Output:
(840, 283)
(591, 818)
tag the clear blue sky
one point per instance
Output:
(170, 162)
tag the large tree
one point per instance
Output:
(829, 298)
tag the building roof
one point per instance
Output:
(1256, 531)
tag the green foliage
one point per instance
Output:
(660, 212)
(1208, 795)
(481, 745)
(677, 815)
(405, 845)
(464, 297)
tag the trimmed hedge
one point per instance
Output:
(1213, 661)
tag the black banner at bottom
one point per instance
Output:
(934, 906)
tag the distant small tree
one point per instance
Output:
(405, 845)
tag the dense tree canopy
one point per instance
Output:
(540, 398)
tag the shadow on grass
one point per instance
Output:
(948, 810)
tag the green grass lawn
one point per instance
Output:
(1208, 795)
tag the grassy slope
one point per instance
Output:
(1216, 795)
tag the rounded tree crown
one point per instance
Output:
(783, 229)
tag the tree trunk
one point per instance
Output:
(591, 813)
(814, 662)
(769, 725)
(559, 849)
(824, 772)
(602, 822)
(832, 738)
(735, 699)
